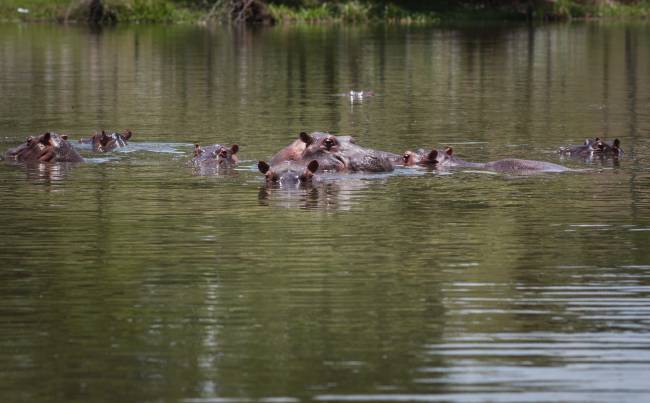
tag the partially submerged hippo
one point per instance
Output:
(593, 147)
(288, 173)
(103, 142)
(443, 159)
(214, 158)
(48, 147)
(348, 156)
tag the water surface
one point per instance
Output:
(129, 278)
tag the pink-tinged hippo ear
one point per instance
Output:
(45, 138)
(306, 138)
(449, 150)
(263, 167)
(234, 148)
(127, 134)
(197, 150)
(432, 156)
(312, 166)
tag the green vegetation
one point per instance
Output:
(310, 11)
(134, 11)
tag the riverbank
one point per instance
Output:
(354, 11)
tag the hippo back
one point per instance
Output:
(513, 165)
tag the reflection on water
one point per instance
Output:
(333, 192)
(129, 278)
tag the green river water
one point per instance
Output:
(129, 278)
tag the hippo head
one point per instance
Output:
(600, 147)
(103, 142)
(223, 156)
(48, 147)
(426, 157)
(420, 157)
(332, 152)
(320, 142)
(288, 173)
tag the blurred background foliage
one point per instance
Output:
(191, 11)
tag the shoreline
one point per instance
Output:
(351, 12)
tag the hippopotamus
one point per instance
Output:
(103, 142)
(348, 156)
(446, 158)
(48, 147)
(213, 158)
(292, 173)
(593, 147)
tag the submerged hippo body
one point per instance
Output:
(444, 159)
(214, 158)
(103, 142)
(288, 173)
(593, 147)
(48, 147)
(349, 156)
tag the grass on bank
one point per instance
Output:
(130, 11)
(356, 11)
(351, 11)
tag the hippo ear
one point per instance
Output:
(432, 156)
(306, 138)
(263, 167)
(617, 143)
(449, 151)
(127, 134)
(197, 150)
(64, 137)
(234, 148)
(45, 139)
(312, 166)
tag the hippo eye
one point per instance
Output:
(328, 142)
